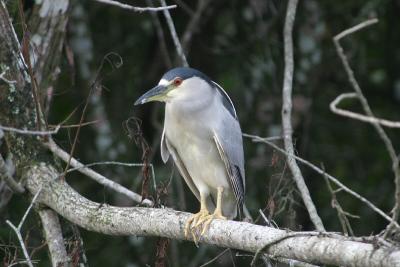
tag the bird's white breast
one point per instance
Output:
(191, 133)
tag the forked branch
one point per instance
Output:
(367, 109)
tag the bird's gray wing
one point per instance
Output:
(166, 149)
(228, 139)
(234, 171)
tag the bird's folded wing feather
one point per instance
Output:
(231, 153)
(228, 139)
(164, 148)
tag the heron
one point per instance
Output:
(203, 135)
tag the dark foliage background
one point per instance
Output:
(239, 45)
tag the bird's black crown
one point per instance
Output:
(185, 73)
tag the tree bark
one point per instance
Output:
(53, 234)
(17, 103)
(47, 25)
(312, 247)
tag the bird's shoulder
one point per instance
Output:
(226, 101)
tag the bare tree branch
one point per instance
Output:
(17, 229)
(342, 215)
(30, 132)
(52, 146)
(356, 116)
(215, 258)
(43, 133)
(174, 35)
(193, 24)
(134, 8)
(356, 28)
(286, 116)
(161, 37)
(54, 238)
(327, 175)
(367, 109)
(309, 247)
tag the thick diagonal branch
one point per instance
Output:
(309, 247)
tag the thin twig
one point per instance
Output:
(215, 258)
(45, 133)
(30, 132)
(96, 84)
(52, 146)
(357, 116)
(161, 38)
(134, 8)
(194, 23)
(76, 125)
(18, 263)
(185, 7)
(367, 109)
(29, 209)
(71, 153)
(260, 251)
(330, 177)
(286, 116)
(355, 28)
(260, 139)
(175, 38)
(17, 230)
(342, 215)
(126, 164)
(5, 175)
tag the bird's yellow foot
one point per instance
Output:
(206, 221)
(192, 221)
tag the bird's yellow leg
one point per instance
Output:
(196, 217)
(206, 220)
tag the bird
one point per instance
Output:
(203, 135)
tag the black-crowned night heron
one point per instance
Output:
(203, 135)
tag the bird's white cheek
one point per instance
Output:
(179, 93)
(173, 93)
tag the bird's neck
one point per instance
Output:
(190, 105)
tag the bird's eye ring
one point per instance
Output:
(177, 81)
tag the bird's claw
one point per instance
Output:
(190, 226)
(206, 221)
(200, 222)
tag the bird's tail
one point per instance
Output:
(244, 214)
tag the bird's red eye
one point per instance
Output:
(177, 81)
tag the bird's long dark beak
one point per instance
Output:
(151, 95)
